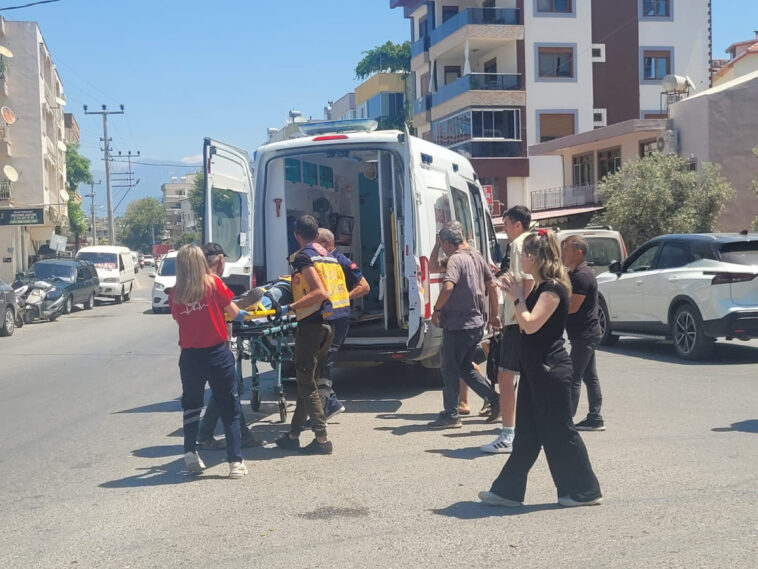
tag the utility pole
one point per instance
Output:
(106, 149)
(125, 179)
(91, 195)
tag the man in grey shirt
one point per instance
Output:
(460, 311)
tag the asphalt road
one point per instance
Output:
(92, 476)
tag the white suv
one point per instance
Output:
(604, 246)
(165, 280)
(691, 289)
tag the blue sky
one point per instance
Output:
(229, 69)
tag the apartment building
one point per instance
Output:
(493, 77)
(743, 59)
(179, 215)
(33, 197)
(382, 98)
(341, 109)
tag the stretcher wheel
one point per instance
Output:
(255, 400)
(282, 410)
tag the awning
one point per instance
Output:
(565, 212)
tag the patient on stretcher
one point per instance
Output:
(261, 301)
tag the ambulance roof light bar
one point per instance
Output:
(348, 125)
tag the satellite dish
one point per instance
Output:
(5, 52)
(62, 146)
(10, 173)
(64, 195)
(61, 102)
(8, 115)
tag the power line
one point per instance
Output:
(29, 4)
(162, 164)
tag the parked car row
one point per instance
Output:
(52, 287)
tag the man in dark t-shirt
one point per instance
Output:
(583, 329)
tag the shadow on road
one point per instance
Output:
(469, 453)
(724, 353)
(164, 407)
(749, 426)
(477, 510)
(169, 473)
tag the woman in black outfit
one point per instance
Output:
(543, 408)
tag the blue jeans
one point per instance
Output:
(325, 389)
(216, 366)
(458, 348)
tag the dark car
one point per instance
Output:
(77, 278)
(7, 310)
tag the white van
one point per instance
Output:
(385, 195)
(115, 270)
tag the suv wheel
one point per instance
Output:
(90, 302)
(606, 337)
(690, 341)
(68, 307)
(9, 322)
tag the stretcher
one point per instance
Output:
(266, 337)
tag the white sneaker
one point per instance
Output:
(502, 444)
(569, 502)
(237, 469)
(492, 499)
(193, 462)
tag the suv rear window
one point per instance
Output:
(602, 251)
(740, 253)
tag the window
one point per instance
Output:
(310, 174)
(292, 170)
(674, 255)
(423, 29)
(448, 12)
(584, 169)
(226, 221)
(452, 73)
(655, 64)
(600, 117)
(326, 177)
(463, 214)
(555, 62)
(480, 124)
(608, 162)
(598, 53)
(490, 66)
(643, 261)
(554, 6)
(656, 8)
(555, 125)
(494, 124)
(647, 147)
(478, 211)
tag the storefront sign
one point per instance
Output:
(488, 195)
(34, 216)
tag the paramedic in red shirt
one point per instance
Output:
(198, 303)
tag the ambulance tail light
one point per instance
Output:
(425, 284)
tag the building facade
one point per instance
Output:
(743, 59)
(179, 214)
(493, 77)
(382, 98)
(33, 197)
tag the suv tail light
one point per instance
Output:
(730, 278)
(426, 288)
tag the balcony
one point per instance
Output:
(478, 82)
(566, 196)
(490, 149)
(422, 104)
(419, 46)
(5, 191)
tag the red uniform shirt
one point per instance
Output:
(202, 324)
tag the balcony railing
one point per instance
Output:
(566, 196)
(422, 104)
(478, 82)
(419, 46)
(5, 191)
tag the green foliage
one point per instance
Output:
(186, 239)
(77, 168)
(77, 221)
(390, 57)
(197, 197)
(143, 220)
(659, 194)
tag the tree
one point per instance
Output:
(186, 239)
(143, 220)
(77, 172)
(390, 57)
(197, 197)
(661, 194)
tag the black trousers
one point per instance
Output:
(543, 420)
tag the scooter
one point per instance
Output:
(20, 305)
(41, 300)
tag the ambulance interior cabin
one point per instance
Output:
(358, 195)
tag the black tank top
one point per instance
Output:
(550, 336)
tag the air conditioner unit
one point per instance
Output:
(668, 142)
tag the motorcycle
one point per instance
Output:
(40, 299)
(20, 304)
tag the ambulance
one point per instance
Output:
(384, 194)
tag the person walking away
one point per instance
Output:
(583, 330)
(321, 297)
(198, 303)
(357, 287)
(516, 221)
(459, 311)
(543, 414)
(214, 255)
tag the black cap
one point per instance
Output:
(213, 249)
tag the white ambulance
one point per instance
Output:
(385, 195)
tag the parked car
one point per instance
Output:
(76, 278)
(604, 246)
(8, 309)
(135, 261)
(691, 289)
(115, 270)
(148, 261)
(165, 279)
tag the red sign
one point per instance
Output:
(488, 195)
